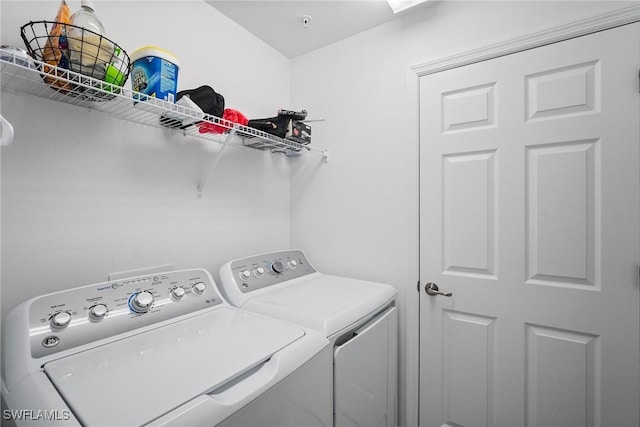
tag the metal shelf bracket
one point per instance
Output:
(212, 166)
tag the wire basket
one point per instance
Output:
(64, 47)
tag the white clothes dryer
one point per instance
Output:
(358, 317)
(160, 350)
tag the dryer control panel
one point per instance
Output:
(260, 271)
(79, 316)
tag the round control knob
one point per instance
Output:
(177, 293)
(61, 319)
(98, 312)
(293, 264)
(199, 288)
(245, 274)
(141, 302)
(259, 271)
(277, 267)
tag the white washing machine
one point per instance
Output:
(358, 317)
(160, 350)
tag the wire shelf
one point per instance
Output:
(25, 76)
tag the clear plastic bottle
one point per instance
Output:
(86, 17)
(90, 53)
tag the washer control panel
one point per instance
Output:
(260, 271)
(78, 316)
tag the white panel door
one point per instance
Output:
(530, 216)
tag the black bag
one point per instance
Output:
(209, 101)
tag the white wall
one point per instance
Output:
(358, 215)
(85, 195)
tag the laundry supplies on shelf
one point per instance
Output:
(155, 73)
(73, 49)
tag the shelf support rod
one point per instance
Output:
(209, 171)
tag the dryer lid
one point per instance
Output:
(323, 302)
(137, 379)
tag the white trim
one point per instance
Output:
(579, 28)
(411, 388)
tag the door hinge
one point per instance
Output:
(418, 287)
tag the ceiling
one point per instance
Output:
(280, 23)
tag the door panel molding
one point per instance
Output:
(577, 201)
(578, 354)
(600, 22)
(464, 216)
(468, 339)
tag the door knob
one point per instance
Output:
(432, 289)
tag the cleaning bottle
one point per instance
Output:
(89, 51)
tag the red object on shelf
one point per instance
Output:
(230, 115)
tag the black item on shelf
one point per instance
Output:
(299, 132)
(276, 126)
(102, 59)
(295, 115)
(209, 101)
(287, 124)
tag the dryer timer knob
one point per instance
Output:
(277, 267)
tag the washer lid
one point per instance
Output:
(137, 379)
(323, 302)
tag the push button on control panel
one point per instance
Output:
(245, 274)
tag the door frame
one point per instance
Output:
(592, 24)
